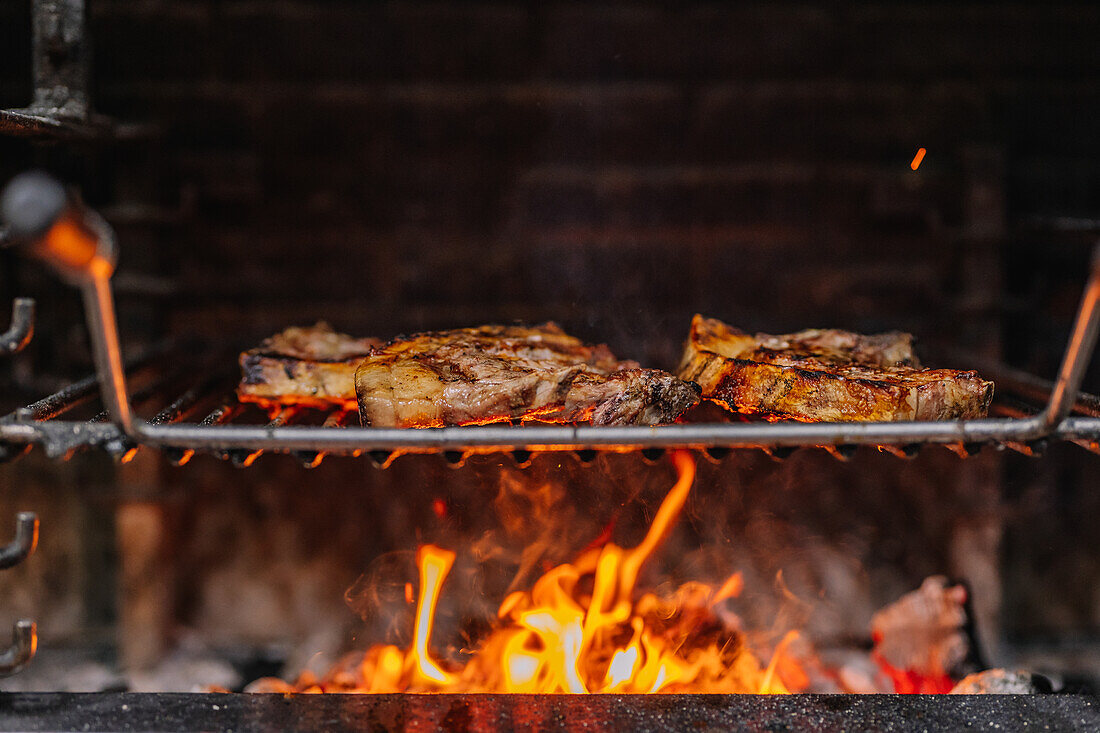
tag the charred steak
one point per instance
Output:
(826, 375)
(492, 373)
(312, 366)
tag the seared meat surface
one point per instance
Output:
(826, 375)
(313, 366)
(492, 373)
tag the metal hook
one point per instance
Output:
(26, 539)
(22, 326)
(24, 644)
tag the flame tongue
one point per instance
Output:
(558, 638)
(434, 564)
(666, 515)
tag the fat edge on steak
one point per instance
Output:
(826, 376)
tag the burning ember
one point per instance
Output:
(580, 629)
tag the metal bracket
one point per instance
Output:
(61, 107)
(25, 542)
(25, 632)
(21, 330)
(24, 645)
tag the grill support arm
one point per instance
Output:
(81, 246)
(1079, 350)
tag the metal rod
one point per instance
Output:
(79, 392)
(147, 393)
(26, 539)
(183, 404)
(247, 458)
(24, 644)
(99, 305)
(1078, 351)
(312, 459)
(60, 436)
(61, 402)
(21, 330)
(1079, 428)
(312, 438)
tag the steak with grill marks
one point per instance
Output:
(312, 366)
(493, 373)
(827, 376)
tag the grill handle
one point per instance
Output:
(1079, 350)
(79, 244)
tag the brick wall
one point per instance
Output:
(614, 166)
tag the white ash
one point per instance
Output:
(923, 630)
(999, 682)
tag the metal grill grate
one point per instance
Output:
(156, 404)
(203, 415)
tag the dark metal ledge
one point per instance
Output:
(242, 712)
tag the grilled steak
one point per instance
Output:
(826, 375)
(492, 373)
(312, 366)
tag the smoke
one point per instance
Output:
(507, 524)
(817, 541)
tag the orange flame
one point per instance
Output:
(434, 565)
(560, 637)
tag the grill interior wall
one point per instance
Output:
(615, 167)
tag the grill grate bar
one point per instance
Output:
(189, 400)
(147, 393)
(57, 404)
(286, 416)
(84, 390)
(224, 412)
(338, 418)
(225, 431)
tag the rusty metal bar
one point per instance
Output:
(99, 306)
(21, 330)
(26, 539)
(1079, 350)
(61, 61)
(61, 107)
(61, 402)
(24, 645)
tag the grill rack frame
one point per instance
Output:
(117, 430)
